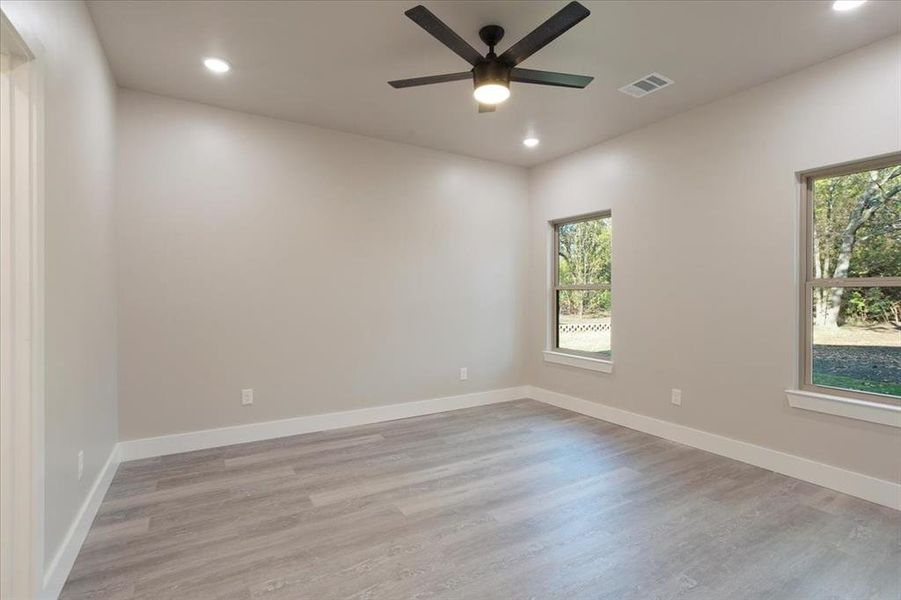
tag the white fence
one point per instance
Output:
(583, 327)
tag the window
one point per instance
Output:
(581, 294)
(851, 296)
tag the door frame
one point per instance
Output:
(21, 317)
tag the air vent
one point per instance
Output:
(646, 85)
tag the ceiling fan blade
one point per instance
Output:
(430, 79)
(545, 33)
(483, 108)
(549, 78)
(444, 34)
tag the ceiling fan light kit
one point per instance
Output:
(491, 74)
(492, 82)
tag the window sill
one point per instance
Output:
(862, 410)
(581, 362)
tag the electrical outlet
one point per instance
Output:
(676, 397)
(246, 397)
(80, 464)
(463, 374)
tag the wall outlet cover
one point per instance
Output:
(676, 397)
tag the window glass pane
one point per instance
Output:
(856, 224)
(583, 252)
(857, 346)
(583, 321)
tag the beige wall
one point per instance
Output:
(326, 271)
(705, 243)
(329, 271)
(80, 269)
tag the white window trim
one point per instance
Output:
(576, 360)
(552, 354)
(852, 408)
(835, 401)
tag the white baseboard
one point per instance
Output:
(869, 488)
(253, 432)
(886, 493)
(58, 570)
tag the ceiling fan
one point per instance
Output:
(492, 74)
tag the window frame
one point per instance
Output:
(554, 328)
(808, 280)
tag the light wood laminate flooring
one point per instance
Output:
(508, 501)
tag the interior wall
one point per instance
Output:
(80, 305)
(326, 271)
(705, 234)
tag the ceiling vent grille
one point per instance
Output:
(646, 85)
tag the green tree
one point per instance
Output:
(584, 258)
(857, 220)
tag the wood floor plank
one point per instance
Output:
(513, 500)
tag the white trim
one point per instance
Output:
(852, 408)
(58, 570)
(550, 337)
(581, 362)
(239, 434)
(552, 353)
(21, 316)
(887, 493)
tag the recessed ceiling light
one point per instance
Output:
(216, 65)
(530, 142)
(843, 5)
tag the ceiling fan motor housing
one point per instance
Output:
(492, 70)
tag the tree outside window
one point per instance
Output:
(853, 282)
(582, 287)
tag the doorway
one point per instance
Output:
(21, 319)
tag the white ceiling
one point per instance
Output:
(327, 63)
